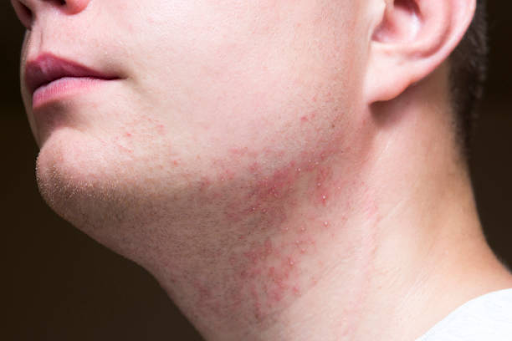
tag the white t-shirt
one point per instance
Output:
(485, 318)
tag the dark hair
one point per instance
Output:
(468, 65)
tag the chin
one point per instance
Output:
(91, 186)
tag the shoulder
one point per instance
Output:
(488, 317)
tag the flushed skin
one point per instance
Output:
(285, 169)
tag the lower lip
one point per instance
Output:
(63, 88)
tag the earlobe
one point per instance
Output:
(412, 38)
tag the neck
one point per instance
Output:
(334, 264)
(324, 251)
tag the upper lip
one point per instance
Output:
(47, 68)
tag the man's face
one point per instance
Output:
(209, 91)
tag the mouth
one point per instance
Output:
(48, 68)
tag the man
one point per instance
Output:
(287, 170)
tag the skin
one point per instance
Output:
(249, 159)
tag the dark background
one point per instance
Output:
(60, 285)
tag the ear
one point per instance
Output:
(410, 40)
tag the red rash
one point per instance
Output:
(270, 273)
(269, 264)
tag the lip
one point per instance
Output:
(51, 74)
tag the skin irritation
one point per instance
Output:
(126, 141)
(274, 241)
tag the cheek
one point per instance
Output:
(227, 70)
